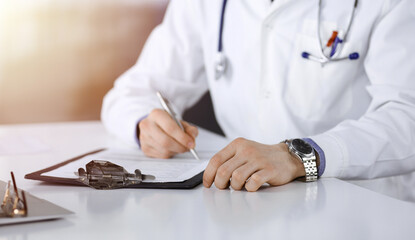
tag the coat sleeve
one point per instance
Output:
(382, 142)
(171, 62)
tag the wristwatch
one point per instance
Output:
(306, 154)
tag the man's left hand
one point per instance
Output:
(251, 164)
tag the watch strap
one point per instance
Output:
(309, 163)
(310, 167)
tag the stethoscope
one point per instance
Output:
(335, 42)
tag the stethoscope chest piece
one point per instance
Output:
(220, 65)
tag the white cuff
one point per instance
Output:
(335, 152)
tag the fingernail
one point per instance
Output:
(190, 145)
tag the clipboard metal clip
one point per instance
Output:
(13, 205)
(106, 175)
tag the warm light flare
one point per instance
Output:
(59, 57)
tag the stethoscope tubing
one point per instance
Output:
(324, 58)
(222, 19)
(221, 60)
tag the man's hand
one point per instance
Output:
(161, 137)
(251, 164)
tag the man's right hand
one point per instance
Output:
(161, 137)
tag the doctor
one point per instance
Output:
(307, 88)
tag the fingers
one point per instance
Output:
(189, 129)
(158, 140)
(226, 171)
(151, 151)
(215, 162)
(251, 164)
(161, 137)
(257, 180)
(170, 127)
(242, 174)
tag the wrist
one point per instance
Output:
(297, 164)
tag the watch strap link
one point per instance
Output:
(310, 167)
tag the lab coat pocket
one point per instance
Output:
(317, 92)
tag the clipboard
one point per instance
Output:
(186, 184)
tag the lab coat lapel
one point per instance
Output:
(259, 8)
(275, 7)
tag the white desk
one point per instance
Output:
(328, 209)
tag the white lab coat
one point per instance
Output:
(361, 112)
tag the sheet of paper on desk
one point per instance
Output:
(177, 169)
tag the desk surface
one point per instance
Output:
(327, 209)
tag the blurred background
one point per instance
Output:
(58, 58)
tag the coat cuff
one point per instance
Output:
(137, 132)
(321, 155)
(335, 154)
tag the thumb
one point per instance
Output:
(190, 129)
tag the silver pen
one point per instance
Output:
(166, 106)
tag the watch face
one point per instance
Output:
(302, 146)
